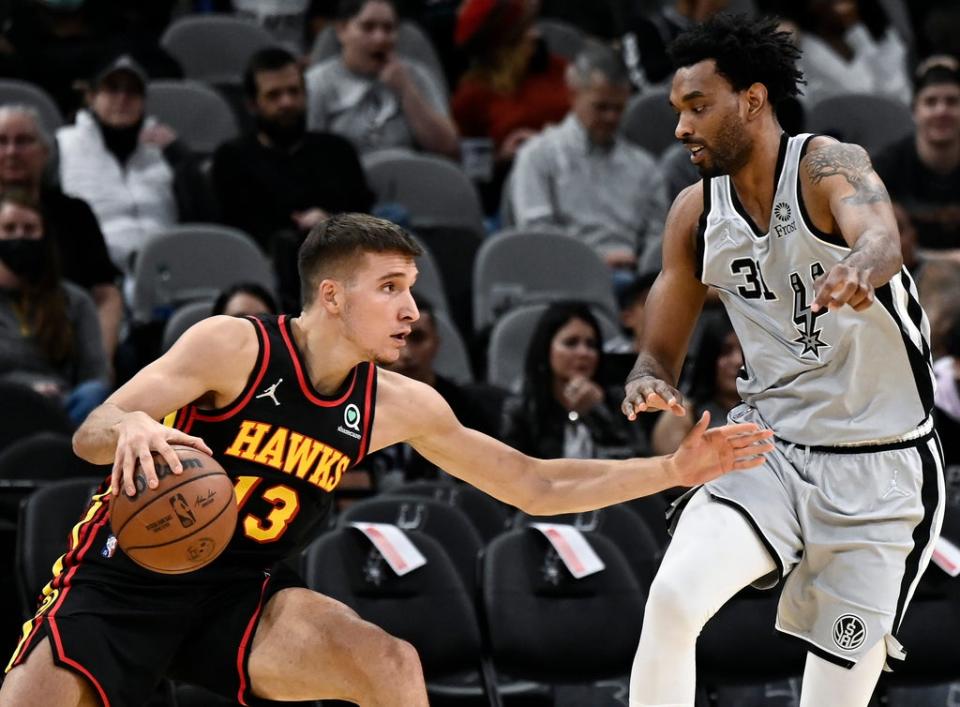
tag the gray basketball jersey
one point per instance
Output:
(825, 378)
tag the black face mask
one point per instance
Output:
(286, 134)
(24, 257)
(121, 142)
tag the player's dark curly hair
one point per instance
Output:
(746, 51)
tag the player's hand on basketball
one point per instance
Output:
(138, 437)
(841, 285)
(705, 454)
(647, 394)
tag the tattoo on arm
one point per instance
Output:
(852, 163)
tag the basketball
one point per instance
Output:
(184, 523)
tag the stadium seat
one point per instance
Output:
(214, 48)
(543, 624)
(650, 122)
(452, 360)
(621, 525)
(430, 281)
(872, 122)
(489, 516)
(193, 262)
(434, 190)
(446, 524)
(520, 267)
(201, 117)
(44, 456)
(344, 565)
(510, 337)
(25, 412)
(562, 38)
(411, 43)
(16, 92)
(184, 318)
(46, 518)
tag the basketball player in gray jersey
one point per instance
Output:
(798, 237)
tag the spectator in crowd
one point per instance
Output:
(245, 298)
(562, 410)
(633, 301)
(712, 384)
(650, 33)
(49, 334)
(849, 46)
(371, 95)
(280, 180)
(922, 171)
(946, 412)
(131, 170)
(581, 178)
(938, 285)
(475, 405)
(514, 86)
(68, 221)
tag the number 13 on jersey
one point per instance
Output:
(284, 500)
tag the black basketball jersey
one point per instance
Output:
(285, 446)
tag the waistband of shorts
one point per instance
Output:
(920, 435)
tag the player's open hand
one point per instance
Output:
(841, 285)
(138, 437)
(647, 394)
(706, 454)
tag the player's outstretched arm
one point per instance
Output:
(671, 311)
(212, 360)
(845, 195)
(408, 411)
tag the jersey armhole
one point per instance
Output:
(702, 229)
(804, 214)
(253, 380)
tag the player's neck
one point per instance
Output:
(754, 182)
(329, 356)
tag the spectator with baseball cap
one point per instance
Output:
(131, 170)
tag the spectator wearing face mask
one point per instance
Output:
(49, 333)
(136, 176)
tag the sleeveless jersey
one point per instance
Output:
(824, 378)
(284, 445)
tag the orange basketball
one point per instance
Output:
(184, 523)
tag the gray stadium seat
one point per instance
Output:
(870, 121)
(511, 336)
(412, 43)
(192, 262)
(200, 116)
(520, 267)
(650, 122)
(562, 38)
(430, 284)
(434, 190)
(214, 48)
(15, 92)
(452, 360)
(184, 318)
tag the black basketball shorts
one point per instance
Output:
(124, 628)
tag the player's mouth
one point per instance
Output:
(401, 337)
(696, 152)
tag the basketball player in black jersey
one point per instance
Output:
(286, 405)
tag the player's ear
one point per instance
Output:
(756, 98)
(330, 295)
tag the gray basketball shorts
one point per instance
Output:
(851, 529)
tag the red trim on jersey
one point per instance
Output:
(304, 385)
(190, 419)
(241, 651)
(365, 437)
(55, 632)
(251, 388)
(181, 417)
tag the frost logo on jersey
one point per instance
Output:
(804, 318)
(783, 213)
(849, 632)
